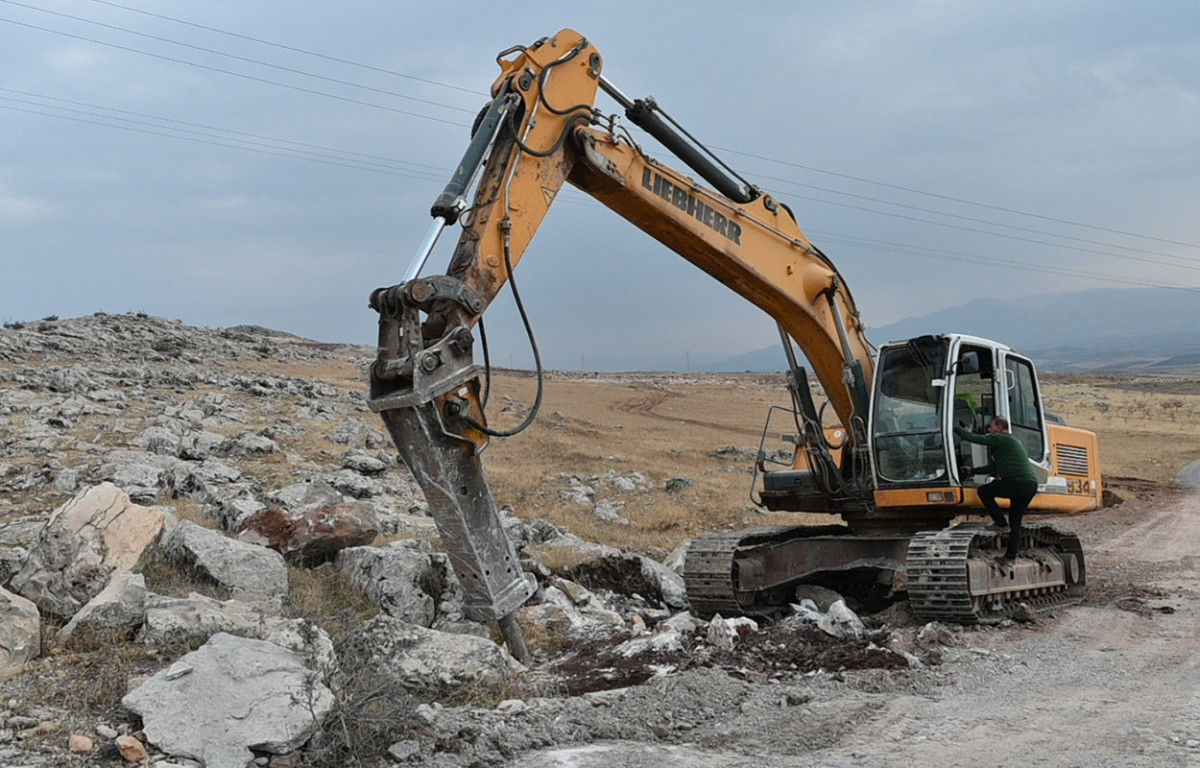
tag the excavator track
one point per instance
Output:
(754, 572)
(708, 568)
(954, 575)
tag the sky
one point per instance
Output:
(271, 163)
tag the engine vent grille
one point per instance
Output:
(1072, 460)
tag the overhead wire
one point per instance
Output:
(217, 141)
(961, 217)
(1017, 238)
(962, 200)
(231, 73)
(736, 152)
(236, 57)
(936, 253)
(850, 177)
(294, 49)
(99, 110)
(732, 151)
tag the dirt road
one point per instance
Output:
(1112, 682)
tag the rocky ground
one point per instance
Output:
(284, 578)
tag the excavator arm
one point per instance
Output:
(540, 131)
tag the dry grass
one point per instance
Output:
(671, 426)
(557, 559)
(191, 511)
(327, 598)
(1149, 427)
(172, 579)
(661, 427)
(88, 676)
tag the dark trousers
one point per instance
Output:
(1019, 493)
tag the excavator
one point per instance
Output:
(879, 453)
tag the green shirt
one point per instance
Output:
(1009, 459)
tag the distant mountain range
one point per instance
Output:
(1120, 330)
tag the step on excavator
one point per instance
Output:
(880, 452)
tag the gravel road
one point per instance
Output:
(1112, 682)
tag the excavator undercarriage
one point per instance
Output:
(950, 574)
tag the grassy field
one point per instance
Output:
(666, 426)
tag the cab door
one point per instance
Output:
(1020, 401)
(974, 384)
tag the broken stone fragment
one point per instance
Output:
(312, 535)
(20, 633)
(120, 607)
(98, 532)
(248, 571)
(80, 744)
(131, 749)
(396, 578)
(240, 693)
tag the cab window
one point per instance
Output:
(1024, 411)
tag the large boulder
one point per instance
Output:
(402, 581)
(98, 532)
(195, 618)
(248, 571)
(232, 694)
(118, 609)
(312, 535)
(20, 633)
(391, 650)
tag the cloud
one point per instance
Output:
(20, 209)
(160, 198)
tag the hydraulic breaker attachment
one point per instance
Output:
(432, 410)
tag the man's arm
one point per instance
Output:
(971, 437)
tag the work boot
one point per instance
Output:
(999, 522)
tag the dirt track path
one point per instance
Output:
(1112, 682)
(647, 402)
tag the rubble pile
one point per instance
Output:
(152, 514)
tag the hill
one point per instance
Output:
(1149, 330)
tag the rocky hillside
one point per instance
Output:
(209, 556)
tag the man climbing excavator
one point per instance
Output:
(892, 468)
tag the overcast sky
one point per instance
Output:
(228, 162)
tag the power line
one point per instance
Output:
(984, 221)
(746, 154)
(767, 159)
(1000, 234)
(990, 261)
(246, 59)
(302, 145)
(217, 141)
(964, 201)
(231, 73)
(850, 240)
(294, 49)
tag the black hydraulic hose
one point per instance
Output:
(537, 359)
(546, 73)
(487, 366)
(511, 122)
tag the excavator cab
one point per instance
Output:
(927, 386)
(907, 420)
